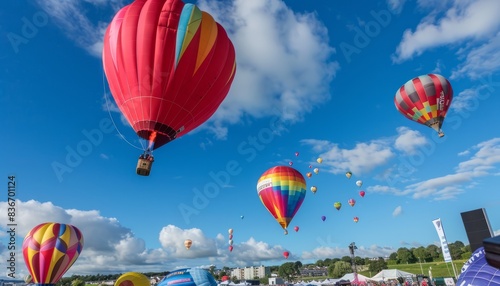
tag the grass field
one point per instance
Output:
(439, 269)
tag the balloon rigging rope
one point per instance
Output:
(110, 116)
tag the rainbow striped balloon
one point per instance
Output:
(282, 190)
(50, 249)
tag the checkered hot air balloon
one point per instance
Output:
(282, 190)
(50, 249)
(425, 99)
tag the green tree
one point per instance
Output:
(346, 259)
(393, 256)
(378, 265)
(405, 255)
(288, 270)
(77, 282)
(434, 251)
(456, 249)
(339, 269)
(359, 260)
(320, 263)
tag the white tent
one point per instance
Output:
(387, 274)
(350, 277)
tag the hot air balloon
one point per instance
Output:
(230, 242)
(351, 202)
(230, 248)
(188, 243)
(188, 277)
(296, 154)
(290, 163)
(50, 249)
(478, 271)
(169, 66)
(356, 219)
(323, 218)
(310, 166)
(426, 100)
(282, 190)
(319, 160)
(316, 171)
(296, 228)
(309, 174)
(359, 183)
(230, 236)
(286, 254)
(242, 217)
(230, 231)
(132, 279)
(314, 189)
(348, 175)
(337, 205)
(362, 194)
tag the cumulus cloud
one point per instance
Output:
(409, 140)
(396, 6)
(463, 20)
(323, 252)
(362, 158)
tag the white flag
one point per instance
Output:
(444, 244)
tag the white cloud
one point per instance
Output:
(409, 140)
(397, 211)
(396, 6)
(463, 20)
(71, 17)
(323, 252)
(363, 158)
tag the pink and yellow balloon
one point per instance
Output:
(50, 249)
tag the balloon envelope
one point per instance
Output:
(50, 249)
(282, 190)
(230, 231)
(230, 248)
(323, 218)
(132, 279)
(169, 66)
(314, 189)
(425, 99)
(296, 228)
(359, 183)
(477, 271)
(319, 160)
(351, 202)
(188, 277)
(337, 205)
(316, 171)
(362, 193)
(188, 243)
(286, 254)
(348, 175)
(356, 219)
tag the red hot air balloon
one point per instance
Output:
(50, 249)
(426, 100)
(362, 193)
(286, 254)
(296, 228)
(230, 248)
(356, 219)
(169, 66)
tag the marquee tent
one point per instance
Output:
(388, 274)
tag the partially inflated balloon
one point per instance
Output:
(169, 66)
(50, 249)
(132, 279)
(282, 190)
(337, 205)
(477, 271)
(426, 100)
(188, 277)
(348, 175)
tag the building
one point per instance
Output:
(249, 273)
(316, 271)
(276, 281)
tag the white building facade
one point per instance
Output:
(249, 273)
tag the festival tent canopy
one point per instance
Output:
(391, 274)
(350, 277)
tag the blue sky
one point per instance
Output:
(314, 77)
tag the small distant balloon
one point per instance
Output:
(290, 163)
(319, 160)
(348, 175)
(316, 171)
(230, 236)
(230, 231)
(242, 217)
(296, 228)
(314, 189)
(309, 174)
(230, 248)
(362, 194)
(296, 154)
(351, 202)
(310, 166)
(285, 232)
(359, 183)
(356, 219)
(337, 205)
(286, 254)
(323, 218)
(188, 243)
(230, 242)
